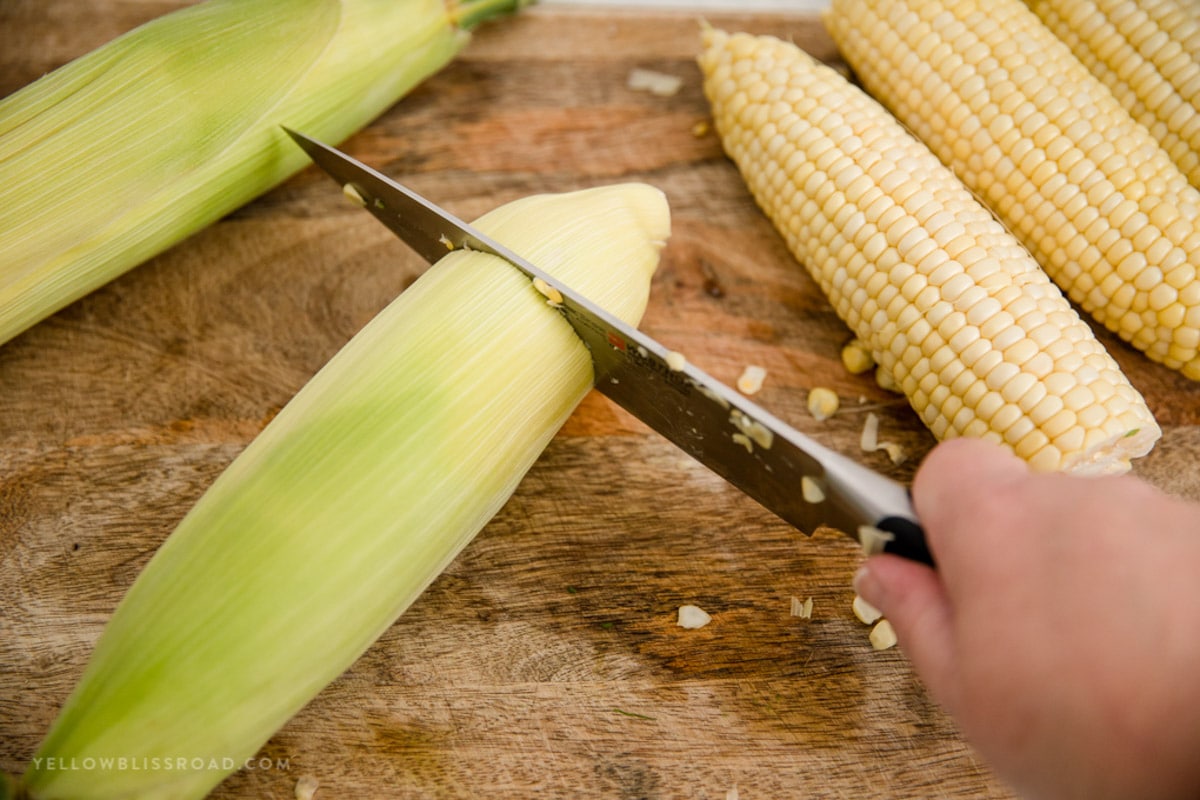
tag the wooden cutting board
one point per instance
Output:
(546, 661)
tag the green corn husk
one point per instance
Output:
(350, 502)
(126, 151)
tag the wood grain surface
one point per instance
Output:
(545, 662)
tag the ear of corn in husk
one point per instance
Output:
(949, 303)
(1148, 53)
(1089, 191)
(349, 503)
(129, 149)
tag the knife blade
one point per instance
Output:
(788, 473)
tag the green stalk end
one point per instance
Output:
(467, 14)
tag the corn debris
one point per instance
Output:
(883, 635)
(822, 403)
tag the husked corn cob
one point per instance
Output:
(949, 303)
(998, 97)
(347, 505)
(1148, 53)
(129, 149)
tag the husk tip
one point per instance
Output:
(467, 14)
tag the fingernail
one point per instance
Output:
(866, 586)
(861, 578)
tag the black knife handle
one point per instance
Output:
(908, 539)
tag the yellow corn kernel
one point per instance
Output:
(920, 271)
(857, 358)
(885, 381)
(822, 403)
(751, 379)
(883, 635)
(1088, 190)
(866, 613)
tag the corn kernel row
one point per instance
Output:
(1148, 53)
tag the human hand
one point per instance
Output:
(1061, 629)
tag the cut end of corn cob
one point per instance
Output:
(348, 504)
(1089, 191)
(953, 308)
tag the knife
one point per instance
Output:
(790, 474)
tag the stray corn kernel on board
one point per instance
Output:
(547, 660)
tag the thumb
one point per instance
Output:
(950, 488)
(912, 598)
